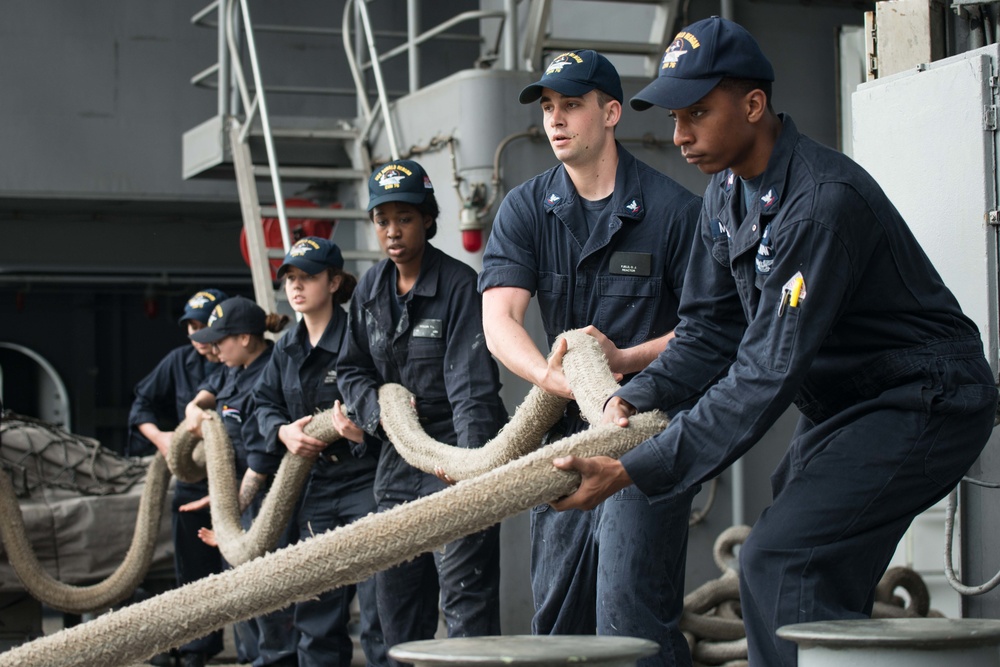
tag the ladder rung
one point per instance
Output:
(316, 213)
(630, 48)
(312, 173)
(308, 133)
(375, 255)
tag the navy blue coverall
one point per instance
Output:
(438, 352)
(160, 398)
(270, 639)
(618, 570)
(296, 382)
(896, 397)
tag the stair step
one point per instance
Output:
(307, 127)
(311, 173)
(538, 40)
(316, 213)
(603, 46)
(373, 255)
(305, 133)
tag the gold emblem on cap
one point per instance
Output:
(561, 61)
(302, 247)
(676, 49)
(216, 314)
(391, 175)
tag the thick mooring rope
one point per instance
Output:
(239, 546)
(351, 553)
(188, 458)
(522, 435)
(592, 383)
(120, 584)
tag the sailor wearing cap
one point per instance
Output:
(602, 240)
(805, 286)
(299, 380)
(416, 320)
(235, 330)
(160, 401)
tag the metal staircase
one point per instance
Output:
(540, 39)
(320, 152)
(247, 173)
(244, 140)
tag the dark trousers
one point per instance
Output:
(465, 576)
(848, 488)
(270, 639)
(193, 559)
(336, 494)
(615, 570)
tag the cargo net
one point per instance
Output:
(37, 454)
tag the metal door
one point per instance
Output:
(929, 139)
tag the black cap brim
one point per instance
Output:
(566, 87)
(307, 265)
(673, 93)
(208, 335)
(405, 197)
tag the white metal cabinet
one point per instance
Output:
(929, 138)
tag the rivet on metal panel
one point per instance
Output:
(993, 217)
(922, 67)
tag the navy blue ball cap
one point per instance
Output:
(402, 180)
(199, 307)
(312, 254)
(700, 56)
(238, 315)
(574, 74)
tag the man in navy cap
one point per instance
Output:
(603, 240)
(805, 286)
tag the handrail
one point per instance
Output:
(234, 56)
(229, 59)
(377, 72)
(258, 106)
(201, 18)
(352, 64)
(375, 60)
(441, 27)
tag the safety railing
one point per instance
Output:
(233, 89)
(409, 48)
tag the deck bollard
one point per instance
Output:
(897, 642)
(524, 650)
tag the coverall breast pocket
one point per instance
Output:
(779, 344)
(426, 359)
(627, 305)
(720, 242)
(326, 394)
(553, 290)
(720, 250)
